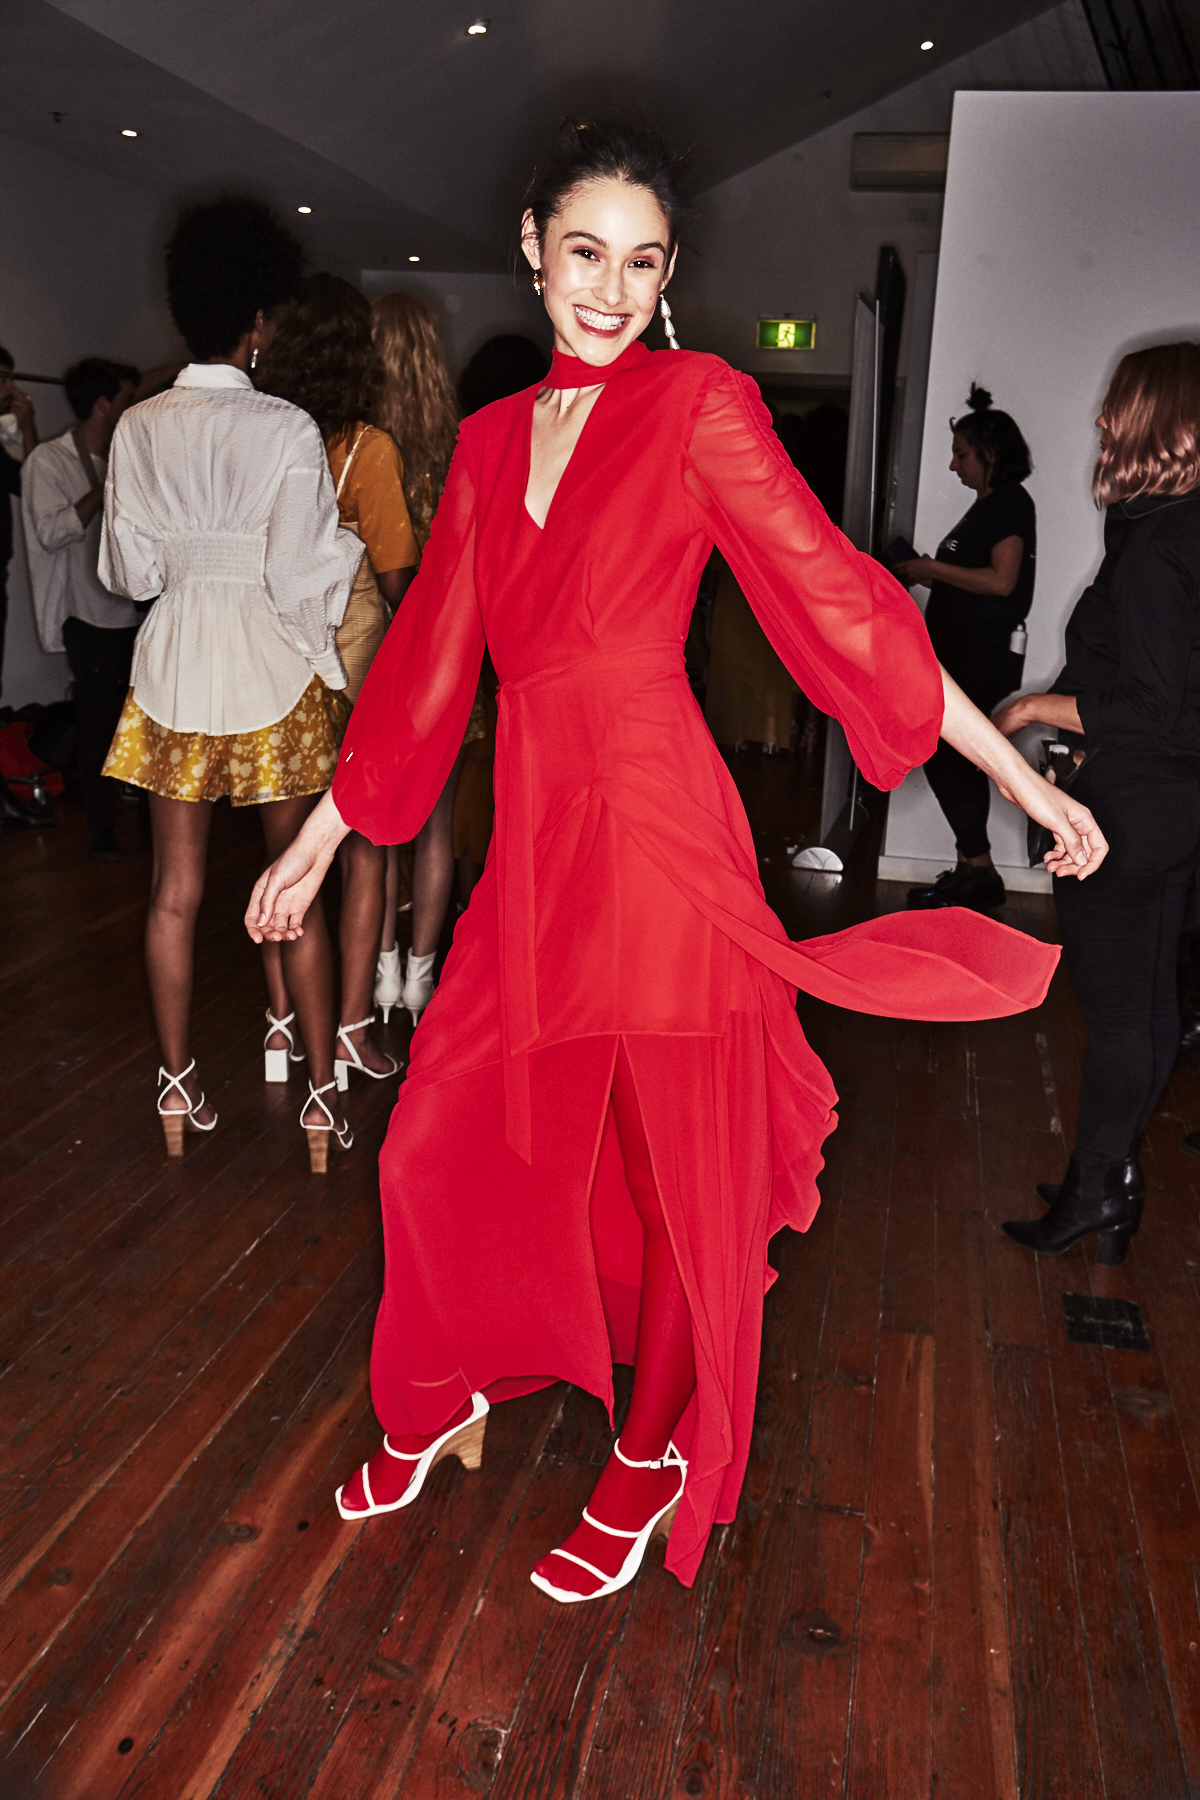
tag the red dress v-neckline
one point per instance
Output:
(572, 372)
(570, 462)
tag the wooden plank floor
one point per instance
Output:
(967, 1558)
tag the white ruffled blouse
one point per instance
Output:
(220, 503)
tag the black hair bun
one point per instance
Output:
(978, 399)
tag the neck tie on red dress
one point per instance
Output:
(571, 372)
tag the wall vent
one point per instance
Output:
(899, 161)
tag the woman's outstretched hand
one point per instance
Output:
(1079, 844)
(284, 892)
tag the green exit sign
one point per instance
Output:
(787, 334)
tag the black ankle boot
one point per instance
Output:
(1132, 1183)
(1092, 1199)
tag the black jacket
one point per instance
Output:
(1133, 640)
(10, 483)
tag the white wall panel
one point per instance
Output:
(1068, 238)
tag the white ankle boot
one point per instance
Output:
(418, 984)
(388, 982)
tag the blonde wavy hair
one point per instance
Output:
(1152, 418)
(416, 401)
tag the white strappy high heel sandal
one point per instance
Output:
(658, 1526)
(318, 1135)
(342, 1065)
(276, 1061)
(173, 1123)
(464, 1441)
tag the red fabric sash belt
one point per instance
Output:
(945, 965)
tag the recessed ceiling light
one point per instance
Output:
(478, 28)
(414, 259)
(304, 209)
(128, 133)
(928, 44)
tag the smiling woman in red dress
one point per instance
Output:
(611, 1105)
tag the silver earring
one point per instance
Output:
(254, 357)
(539, 283)
(667, 325)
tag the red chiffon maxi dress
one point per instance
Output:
(621, 903)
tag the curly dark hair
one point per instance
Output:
(227, 261)
(995, 438)
(323, 357)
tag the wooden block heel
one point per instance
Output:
(174, 1124)
(663, 1528)
(467, 1444)
(319, 1135)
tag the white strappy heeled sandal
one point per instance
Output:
(173, 1123)
(342, 1065)
(276, 1061)
(658, 1526)
(464, 1441)
(318, 1135)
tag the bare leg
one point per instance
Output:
(391, 896)
(363, 877)
(307, 961)
(469, 872)
(277, 994)
(664, 1378)
(433, 868)
(180, 835)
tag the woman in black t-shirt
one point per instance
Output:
(980, 591)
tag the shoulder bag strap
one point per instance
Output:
(350, 458)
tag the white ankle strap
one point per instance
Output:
(609, 1530)
(314, 1093)
(177, 1081)
(279, 1024)
(344, 1030)
(670, 1459)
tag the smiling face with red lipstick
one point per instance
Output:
(605, 258)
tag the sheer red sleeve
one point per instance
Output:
(408, 721)
(848, 632)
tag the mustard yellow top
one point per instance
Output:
(371, 499)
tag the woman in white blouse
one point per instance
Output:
(219, 502)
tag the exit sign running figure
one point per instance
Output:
(787, 334)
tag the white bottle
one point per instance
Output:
(1018, 640)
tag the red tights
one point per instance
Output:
(664, 1378)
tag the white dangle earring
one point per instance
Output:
(668, 327)
(254, 357)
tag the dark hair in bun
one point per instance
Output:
(608, 149)
(995, 438)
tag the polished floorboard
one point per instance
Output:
(966, 1562)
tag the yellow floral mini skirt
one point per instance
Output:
(297, 755)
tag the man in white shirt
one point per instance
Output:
(62, 500)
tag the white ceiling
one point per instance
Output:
(405, 135)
